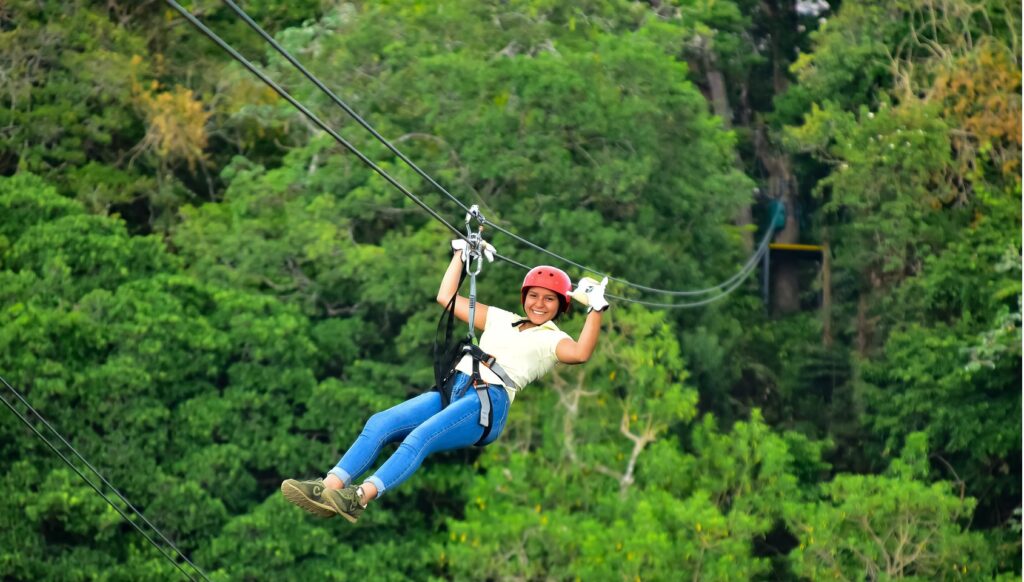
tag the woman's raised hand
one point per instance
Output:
(460, 244)
(591, 293)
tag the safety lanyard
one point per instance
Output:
(474, 262)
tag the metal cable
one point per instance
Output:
(736, 281)
(739, 279)
(728, 285)
(39, 434)
(691, 293)
(337, 100)
(310, 115)
(355, 116)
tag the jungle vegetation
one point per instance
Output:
(206, 294)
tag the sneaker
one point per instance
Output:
(345, 501)
(307, 495)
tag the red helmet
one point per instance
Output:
(551, 279)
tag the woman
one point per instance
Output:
(525, 348)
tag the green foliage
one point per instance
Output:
(690, 515)
(67, 86)
(69, 254)
(290, 294)
(885, 527)
(574, 132)
(924, 221)
(849, 63)
(28, 201)
(889, 166)
(578, 509)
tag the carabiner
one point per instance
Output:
(474, 212)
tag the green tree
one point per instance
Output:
(889, 527)
(922, 211)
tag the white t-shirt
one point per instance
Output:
(525, 355)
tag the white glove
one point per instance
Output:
(460, 244)
(591, 293)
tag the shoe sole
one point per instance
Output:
(295, 495)
(339, 511)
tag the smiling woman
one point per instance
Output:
(523, 349)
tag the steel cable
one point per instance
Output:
(42, 437)
(338, 101)
(309, 114)
(366, 125)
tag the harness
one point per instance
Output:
(447, 357)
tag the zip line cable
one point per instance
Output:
(682, 293)
(319, 123)
(337, 100)
(312, 117)
(74, 468)
(734, 282)
(739, 277)
(362, 157)
(355, 116)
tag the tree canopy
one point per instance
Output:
(206, 294)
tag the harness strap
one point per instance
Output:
(475, 253)
(481, 387)
(478, 356)
(482, 393)
(486, 409)
(489, 361)
(486, 414)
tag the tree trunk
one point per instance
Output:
(826, 295)
(785, 285)
(719, 98)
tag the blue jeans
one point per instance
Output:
(424, 427)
